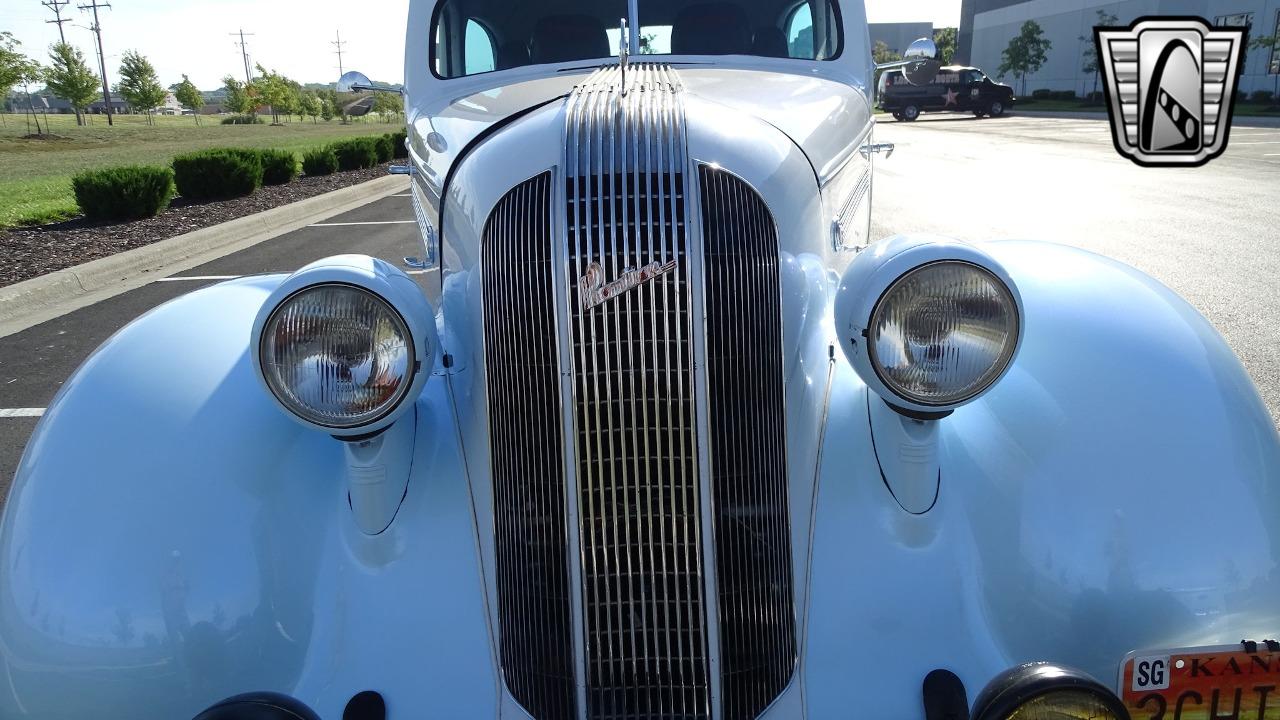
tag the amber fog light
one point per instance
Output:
(1045, 691)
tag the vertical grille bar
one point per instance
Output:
(747, 445)
(522, 370)
(644, 610)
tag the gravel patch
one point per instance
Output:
(27, 252)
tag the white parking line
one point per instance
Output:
(1264, 142)
(375, 222)
(198, 277)
(21, 412)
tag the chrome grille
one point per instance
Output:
(637, 464)
(522, 370)
(748, 444)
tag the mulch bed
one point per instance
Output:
(27, 252)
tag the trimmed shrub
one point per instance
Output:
(399, 149)
(321, 161)
(218, 174)
(131, 192)
(242, 120)
(386, 148)
(1262, 97)
(278, 166)
(1042, 94)
(356, 153)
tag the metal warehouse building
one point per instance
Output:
(987, 26)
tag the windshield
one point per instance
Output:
(478, 36)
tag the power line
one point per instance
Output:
(339, 43)
(244, 53)
(56, 6)
(102, 56)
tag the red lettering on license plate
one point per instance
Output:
(1202, 684)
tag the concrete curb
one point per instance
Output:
(40, 299)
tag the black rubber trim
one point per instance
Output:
(945, 697)
(918, 415)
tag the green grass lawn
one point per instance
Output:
(35, 175)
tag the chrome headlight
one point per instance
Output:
(337, 355)
(343, 343)
(929, 323)
(943, 333)
(1045, 691)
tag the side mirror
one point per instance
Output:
(354, 82)
(919, 64)
(357, 82)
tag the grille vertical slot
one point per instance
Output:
(747, 444)
(637, 464)
(522, 370)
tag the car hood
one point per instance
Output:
(824, 118)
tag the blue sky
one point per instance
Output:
(290, 36)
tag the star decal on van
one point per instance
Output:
(951, 96)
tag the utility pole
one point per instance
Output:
(102, 56)
(338, 43)
(56, 6)
(244, 53)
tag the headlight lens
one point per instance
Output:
(337, 356)
(1066, 705)
(943, 333)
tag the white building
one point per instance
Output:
(987, 26)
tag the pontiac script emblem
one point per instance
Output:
(595, 292)
(1171, 88)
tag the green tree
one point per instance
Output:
(310, 105)
(1026, 53)
(242, 98)
(882, 54)
(279, 92)
(1090, 61)
(139, 85)
(388, 105)
(1270, 43)
(945, 39)
(190, 96)
(69, 77)
(326, 108)
(15, 68)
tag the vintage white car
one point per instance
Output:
(678, 440)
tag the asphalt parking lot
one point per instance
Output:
(1211, 233)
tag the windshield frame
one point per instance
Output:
(633, 46)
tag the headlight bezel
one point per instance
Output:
(379, 280)
(297, 408)
(864, 288)
(987, 379)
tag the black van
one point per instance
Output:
(956, 88)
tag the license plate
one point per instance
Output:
(1203, 683)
